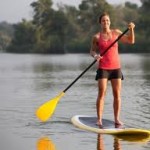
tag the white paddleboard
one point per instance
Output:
(89, 123)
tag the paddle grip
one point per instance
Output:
(96, 60)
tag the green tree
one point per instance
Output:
(24, 38)
(57, 32)
(6, 34)
(144, 20)
(73, 34)
(70, 29)
(51, 27)
(4, 41)
(143, 26)
(41, 19)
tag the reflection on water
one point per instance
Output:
(45, 143)
(119, 138)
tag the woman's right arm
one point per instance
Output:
(93, 49)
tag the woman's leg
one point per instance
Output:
(102, 86)
(116, 87)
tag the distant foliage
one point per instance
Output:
(6, 34)
(69, 29)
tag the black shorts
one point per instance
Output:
(109, 74)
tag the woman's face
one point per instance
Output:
(105, 22)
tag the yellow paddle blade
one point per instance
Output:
(45, 144)
(45, 111)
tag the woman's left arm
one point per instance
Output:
(130, 37)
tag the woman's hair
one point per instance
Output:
(102, 15)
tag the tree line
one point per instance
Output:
(69, 29)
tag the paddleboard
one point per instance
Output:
(89, 123)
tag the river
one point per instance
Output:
(28, 80)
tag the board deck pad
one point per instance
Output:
(107, 124)
(89, 123)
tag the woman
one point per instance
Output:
(109, 65)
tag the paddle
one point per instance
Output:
(45, 111)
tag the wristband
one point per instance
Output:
(95, 55)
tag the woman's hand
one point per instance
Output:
(97, 57)
(131, 25)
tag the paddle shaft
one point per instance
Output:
(95, 60)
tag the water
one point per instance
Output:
(27, 81)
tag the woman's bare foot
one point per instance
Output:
(99, 123)
(118, 122)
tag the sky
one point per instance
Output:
(15, 11)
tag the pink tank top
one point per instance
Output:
(111, 58)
